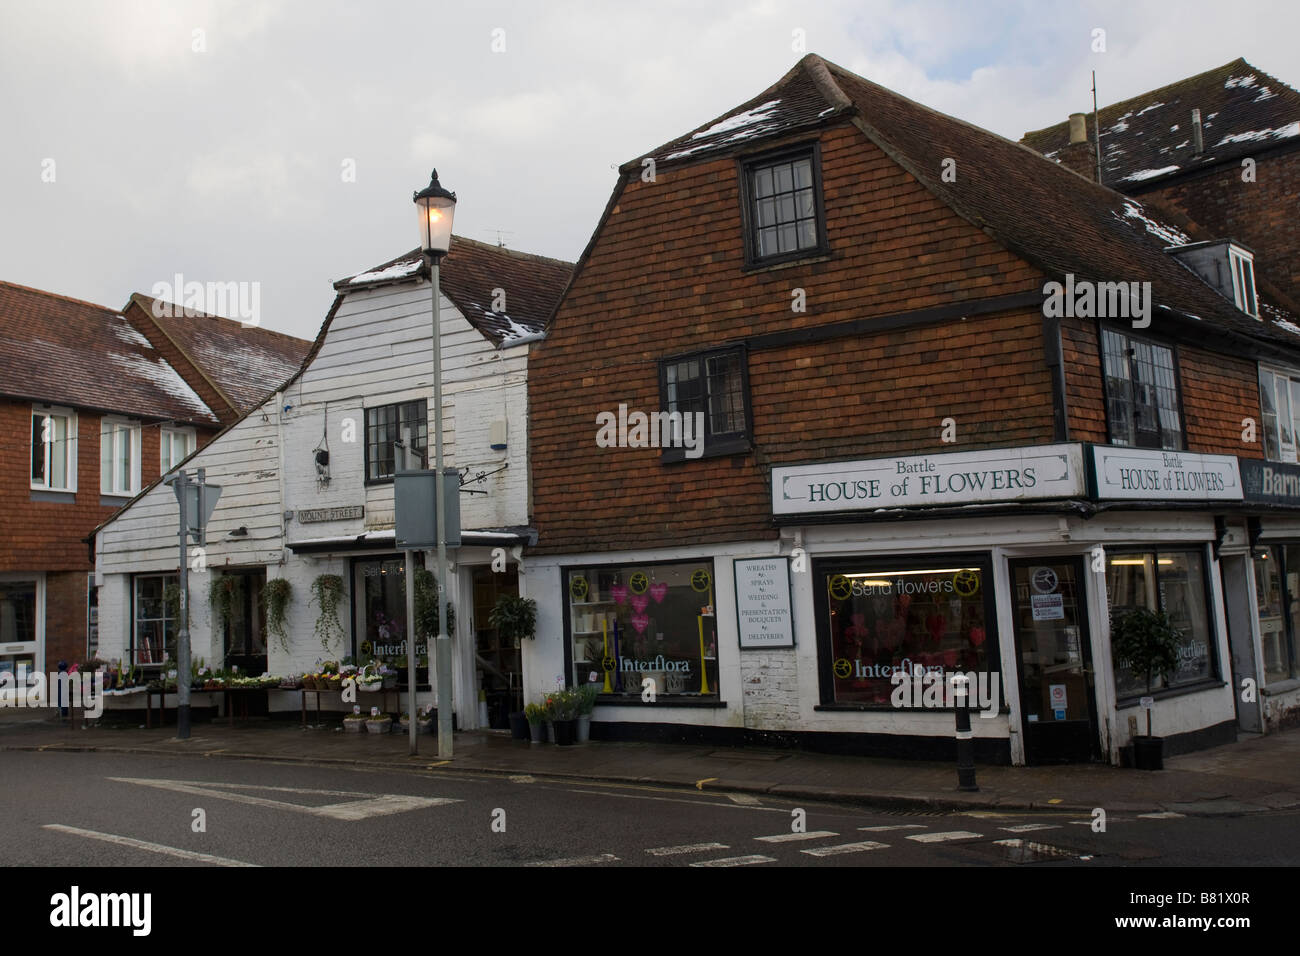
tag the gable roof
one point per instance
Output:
(1147, 138)
(244, 364)
(62, 351)
(469, 275)
(1048, 215)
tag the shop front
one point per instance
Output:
(22, 623)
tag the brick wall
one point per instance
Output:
(65, 617)
(1262, 215)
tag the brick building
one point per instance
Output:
(92, 409)
(876, 442)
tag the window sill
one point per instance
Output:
(810, 257)
(890, 709)
(64, 497)
(114, 501)
(1280, 687)
(1212, 683)
(722, 449)
(660, 701)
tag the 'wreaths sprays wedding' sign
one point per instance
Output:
(1008, 474)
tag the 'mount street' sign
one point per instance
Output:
(975, 477)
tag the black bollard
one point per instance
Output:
(62, 682)
(965, 738)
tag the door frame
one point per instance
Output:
(1083, 623)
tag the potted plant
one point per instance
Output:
(519, 725)
(514, 618)
(564, 704)
(277, 594)
(378, 723)
(1145, 642)
(226, 595)
(535, 714)
(369, 679)
(586, 701)
(327, 594)
(354, 721)
(426, 606)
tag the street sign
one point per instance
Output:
(200, 502)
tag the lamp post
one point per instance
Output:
(436, 207)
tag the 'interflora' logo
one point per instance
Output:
(75, 909)
(233, 300)
(60, 690)
(636, 429)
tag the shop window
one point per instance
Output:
(1142, 401)
(386, 426)
(177, 444)
(1173, 582)
(1279, 610)
(54, 450)
(154, 630)
(708, 388)
(876, 620)
(784, 219)
(119, 458)
(381, 627)
(1279, 401)
(92, 616)
(17, 628)
(631, 623)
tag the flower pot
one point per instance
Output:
(584, 728)
(518, 726)
(1149, 753)
(353, 726)
(566, 732)
(370, 687)
(537, 732)
(381, 725)
(550, 731)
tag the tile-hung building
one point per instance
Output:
(96, 404)
(307, 482)
(918, 456)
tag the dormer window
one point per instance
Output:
(1243, 280)
(782, 206)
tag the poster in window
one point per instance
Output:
(763, 602)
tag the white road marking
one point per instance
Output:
(845, 848)
(737, 860)
(578, 860)
(1163, 815)
(897, 826)
(368, 805)
(1043, 849)
(1027, 827)
(791, 837)
(744, 799)
(688, 848)
(944, 837)
(521, 778)
(143, 845)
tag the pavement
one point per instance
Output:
(1256, 774)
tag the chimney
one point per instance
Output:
(1198, 144)
(1078, 128)
(1078, 155)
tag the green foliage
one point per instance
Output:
(1144, 641)
(514, 617)
(277, 594)
(426, 606)
(535, 713)
(172, 602)
(327, 594)
(562, 705)
(226, 595)
(587, 695)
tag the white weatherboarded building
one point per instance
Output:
(288, 512)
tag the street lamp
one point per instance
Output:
(436, 208)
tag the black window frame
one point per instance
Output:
(373, 410)
(1155, 343)
(726, 443)
(746, 166)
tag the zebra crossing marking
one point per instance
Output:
(845, 848)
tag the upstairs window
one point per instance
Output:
(1243, 281)
(709, 389)
(1142, 401)
(387, 425)
(177, 445)
(119, 458)
(784, 218)
(1279, 400)
(54, 450)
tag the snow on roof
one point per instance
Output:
(398, 270)
(128, 334)
(516, 334)
(1148, 173)
(1163, 232)
(161, 374)
(1282, 132)
(1148, 109)
(742, 125)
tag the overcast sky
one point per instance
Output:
(229, 162)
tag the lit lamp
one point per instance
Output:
(436, 207)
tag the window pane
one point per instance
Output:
(38, 450)
(1268, 600)
(1268, 409)
(783, 178)
(124, 459)
(1284, 416)
(1183, 599)
(881, 621)
(806, 206)
(629, 623)
(767, 212)
(803, 174)
(767, 244)
(807, 235)
(1130, 584)
(763, 182)
(786, 238)
(1248, 286)
(17, 611)
(58, 435)
(726, 398)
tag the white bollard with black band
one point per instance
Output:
(965, 738)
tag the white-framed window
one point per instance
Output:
(1279, 400)
(119, 457)
(54, 449)
(1243, 280)
(177, 445)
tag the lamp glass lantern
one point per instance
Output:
(436, 208)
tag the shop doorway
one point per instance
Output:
(497, 660)
(245, 631)
(1054, 661)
